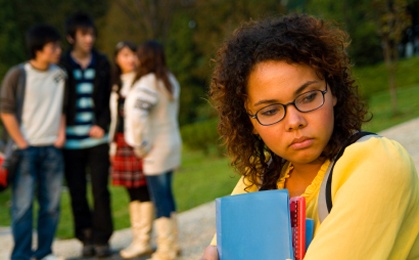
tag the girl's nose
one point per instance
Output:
(294, 119)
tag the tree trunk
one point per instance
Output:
(390, 57)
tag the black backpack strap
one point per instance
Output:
(325, 195)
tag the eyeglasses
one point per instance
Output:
(305, 102)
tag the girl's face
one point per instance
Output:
(299, 137)
(127, 60)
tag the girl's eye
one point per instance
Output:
(308, 97)
(271, 110)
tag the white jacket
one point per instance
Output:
(151, 124)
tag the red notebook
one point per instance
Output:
(298, 226)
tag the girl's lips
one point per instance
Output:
(301, 143)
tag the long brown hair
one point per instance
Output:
(152, 59)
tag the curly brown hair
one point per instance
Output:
(296, 38)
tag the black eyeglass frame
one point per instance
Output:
(255, 116)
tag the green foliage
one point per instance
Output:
(192, 31)
(183, 58)
(353, 16)
(202, 136)
(216, 19)
(373, 79)
(12, 51)
(19, 15)
(365, 47)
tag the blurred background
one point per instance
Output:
(384, 51)
(192, 30)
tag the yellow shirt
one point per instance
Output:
(375, 214)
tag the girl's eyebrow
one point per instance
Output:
(300, 90)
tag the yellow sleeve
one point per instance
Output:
(375, 194)
(238, 189)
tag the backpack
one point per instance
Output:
(325, 195)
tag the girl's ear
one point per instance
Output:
(334, 100)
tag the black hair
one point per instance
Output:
(40, 35)
(77, 21)
(116, 77)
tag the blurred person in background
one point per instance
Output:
(86, 151)
(127, 168)
(152, 129)
(31, 108)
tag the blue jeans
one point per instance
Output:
(40, 170)
(160, 187)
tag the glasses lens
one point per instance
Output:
(271, 114)
(309, 101)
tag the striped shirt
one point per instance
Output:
(77, 135)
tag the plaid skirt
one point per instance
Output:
(127, 169)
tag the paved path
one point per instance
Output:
(198, 224)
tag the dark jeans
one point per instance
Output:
(92, 225)
(160, 187)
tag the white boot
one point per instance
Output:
(141, 215)
(173, 217)
(165, 240)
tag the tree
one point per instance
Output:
(12, 51)
(191, 31)
(152, 17)
(392, 19)
(216, 19)
(183, 56)
(352, 15)
(19, 15)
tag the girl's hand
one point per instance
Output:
(210, 253)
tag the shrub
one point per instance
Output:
(203, 136)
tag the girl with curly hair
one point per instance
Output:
(287, 103)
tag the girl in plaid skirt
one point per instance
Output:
(127, 168)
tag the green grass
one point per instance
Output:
(202, 178)
(374, 79)
(383, 118)
(373, 86)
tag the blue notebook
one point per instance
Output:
(309, 231)
(254, 225)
